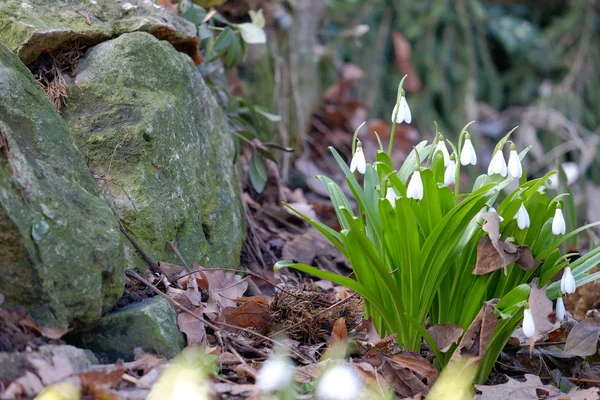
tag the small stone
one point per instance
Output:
(150, 324)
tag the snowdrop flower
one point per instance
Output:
(522, 217)
(514, 164)
(492, 209)
(274, 374)
(567, 283)
(450, 172)
(528, 324)
(497, 165)
(358, 160)
(560, 309)
(558, 223)
(571, 172)
(467, 154)
(415, 186)
(391, 196)
(403, 112)
(441, 146)
(339, 383)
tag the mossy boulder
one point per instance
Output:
(150, 325)
(60, 245)
(159, 147)
(30, 28)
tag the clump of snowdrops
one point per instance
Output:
(423, 252)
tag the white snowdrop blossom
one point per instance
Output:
(528, 325)
(571, 170)
(358, 160)
(415, 186)
(498, 164)
(274, 374)
(514, 164)
(467, 154)
(390, 195)
(522, 217)
(403, 112)
(339, 383)
(559, 226)
(567, 283)
(450, 173)
(560, 309)
(441, 146)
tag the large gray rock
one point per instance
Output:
(159, 148)
(150, 325)
(32, 27)
(60, 246)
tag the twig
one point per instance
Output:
(154, 267)
(173, 247)
(85, 15)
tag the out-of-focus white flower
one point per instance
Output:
(522, 217)
(467, 154)
(528, 325)
(560, 309)
(498, 164)
(571, 172)
(415, 186)
(358, 160)
(441, 146)
(450, 173)
(559, 227)
(275, 374)
(567, 283)
(390, 194)
(339, 383)
(514, 164)
(403, 112)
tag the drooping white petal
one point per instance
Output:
(571, 172)
(528, 325)
(358, 161)
(274, 374)
(498, 164)
(559, 226)
(339, 383)
(390, 195)
(441, 146)
(415, 187)
(514, 165)
(450, 172)
(522, 217)
(560, 309)
(467, 154)
(567, 283)
(403, 112)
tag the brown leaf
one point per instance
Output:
(266, 300)
(339, 333)
(475, 341)
(541, 310)
(526, 260)
(404, 62)
(172, 271)
(402, 380)
(492, 257)
(576, 393)
(194, 330)
(583, 338)
(223, 288)
(445, 335)
(107, 378)
(415, 363)
(29, 324)
(512, 389)
(251, 314)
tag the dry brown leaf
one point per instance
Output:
(445, 335)
(541, 311)
(98, 384)
(251, 314)
(402, 380)
(339, 333)
(266, 300)
(477, 337)
(194, 330)
(415, 363)
(172, 271)
(29, 324)
(223, 288)
(179, 296)
(578, 394)
(583, 338)
(512, 389)
(526, 260)
(489, 259)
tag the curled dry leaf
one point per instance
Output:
(404, 381)
(415, 363)
(339, 333)
(194, 330)
(251, 314)
(541, 309)
(445, 335)
(223, 288)
(29, 324)
(475, 341)
(492, 257)
(583, 338)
